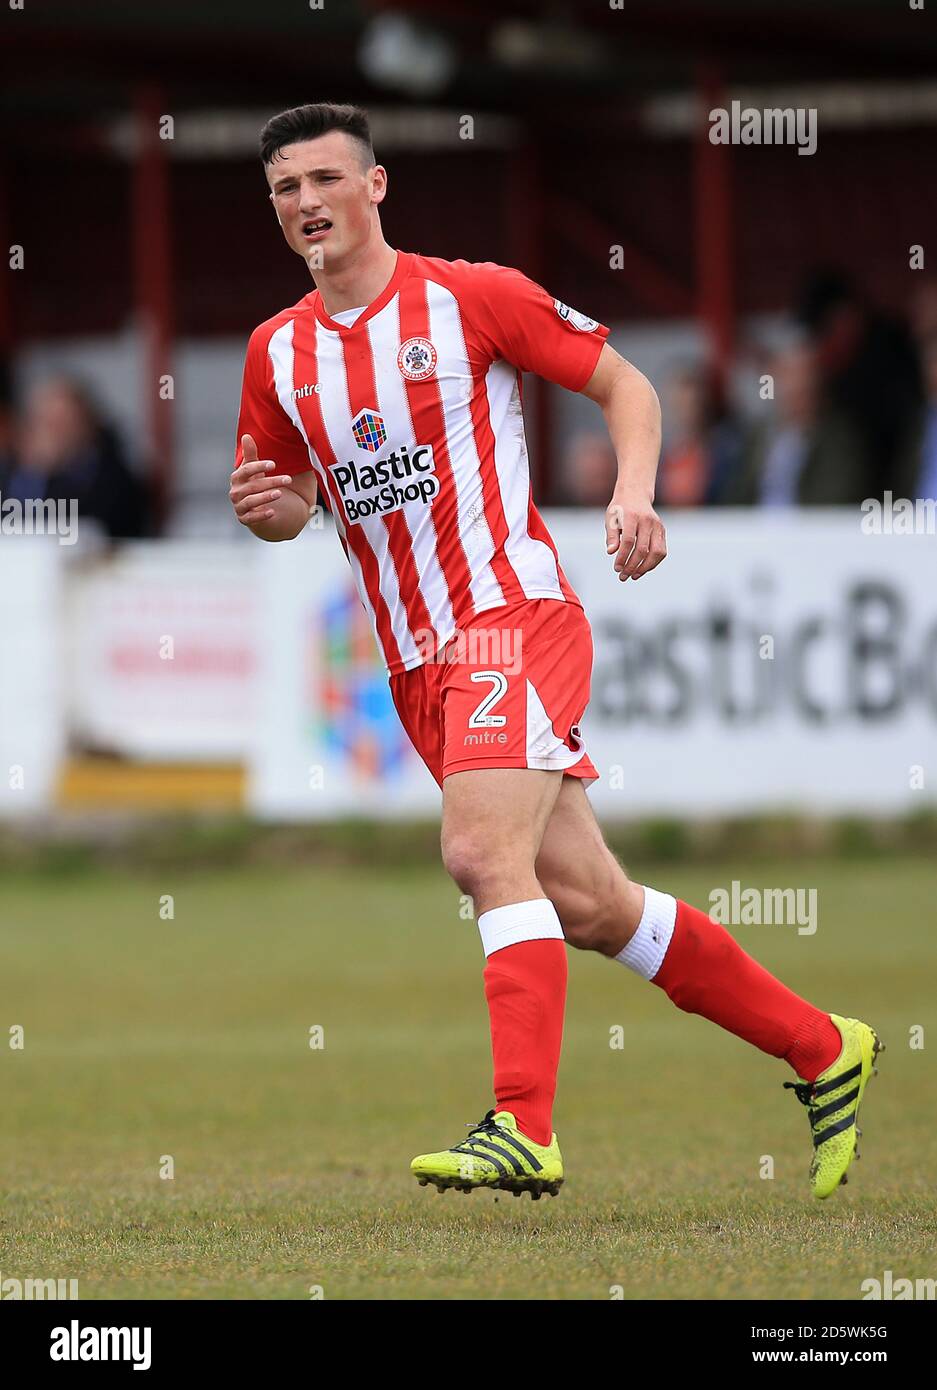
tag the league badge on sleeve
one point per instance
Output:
(574, 318)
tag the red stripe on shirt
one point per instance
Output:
(306, 370)
(362, 395)
(424, 400)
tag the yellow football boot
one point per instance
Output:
(833, 1101)
(494, 1154)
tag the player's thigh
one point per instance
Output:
(494, 819)
(597, 904)
(417, 698)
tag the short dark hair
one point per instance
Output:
(309, 122)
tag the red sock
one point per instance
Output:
(525, 985)
(705, 971)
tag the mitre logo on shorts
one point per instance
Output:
(417, 359)
(374, 489)
(574, 318)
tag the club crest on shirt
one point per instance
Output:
(369, 431)
(417, 359)
(574, 318)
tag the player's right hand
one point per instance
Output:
(634, 534)
(254, 487)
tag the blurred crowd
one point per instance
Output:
(844, 407)
(841, 408)
(60, 446)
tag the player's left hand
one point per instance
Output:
(635, 535)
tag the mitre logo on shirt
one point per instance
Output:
(374, 489)
(574, 318)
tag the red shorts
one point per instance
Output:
(508, 690)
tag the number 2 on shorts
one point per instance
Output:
(480, 717)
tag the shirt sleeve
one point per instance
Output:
(519, 321)
(262, 416)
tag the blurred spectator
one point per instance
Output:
(7, 424)
(701, 446)
(809, 454)
(922, 309)
(590, 472)
(869, 369)
(65, 449)
(917, 473)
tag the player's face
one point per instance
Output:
(324, 198)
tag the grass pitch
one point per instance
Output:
(189, 1039)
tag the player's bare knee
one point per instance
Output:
(457, 857)
(473, 862)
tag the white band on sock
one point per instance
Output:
(530, 921)
(645, 952)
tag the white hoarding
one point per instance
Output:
(782, 662)
(162, 650)
(31, 673)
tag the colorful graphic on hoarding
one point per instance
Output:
(353, 709)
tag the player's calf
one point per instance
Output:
(597, 903)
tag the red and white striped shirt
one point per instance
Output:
(412, 421)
